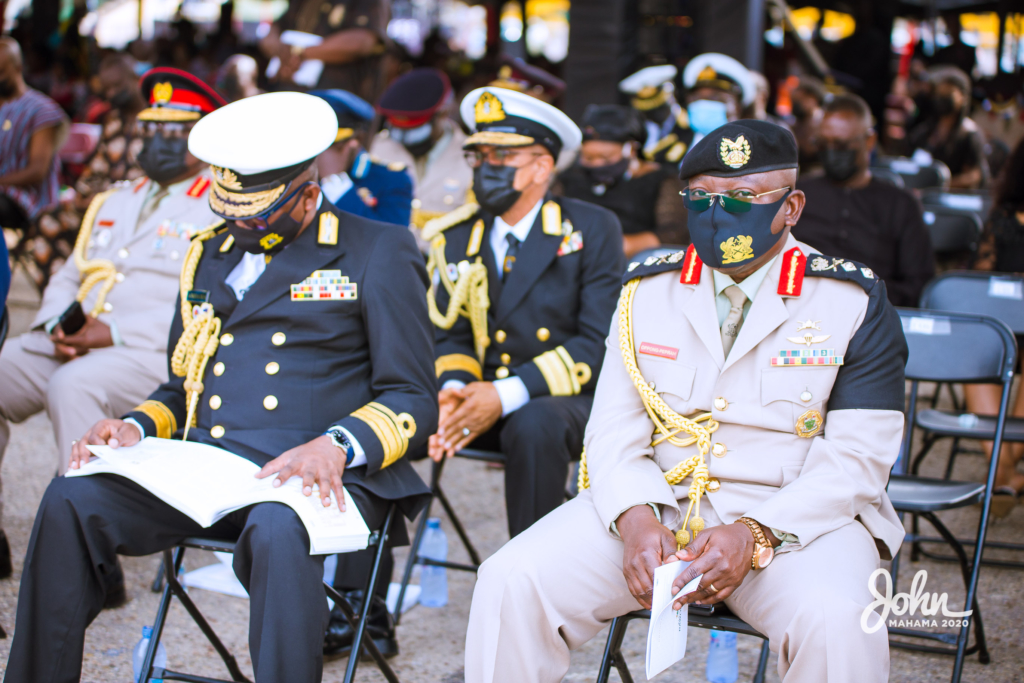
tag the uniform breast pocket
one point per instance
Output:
(788, 394)
(671, 379)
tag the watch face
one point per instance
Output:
(765, 557)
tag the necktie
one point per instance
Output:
(510, 254)
(151, 205)
(733, 321)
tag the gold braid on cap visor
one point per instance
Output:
(167, 114)
(242, 205)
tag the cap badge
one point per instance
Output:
(162, 93)
(736, 249)
(227, 178)
(735, 153)
(647, 92)
(707, 74)
(489, 109)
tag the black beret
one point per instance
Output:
(412, 99)
(741, 148)
(613, 122)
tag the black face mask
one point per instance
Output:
(276, 237)
(7, 89)
(607, 175)
(658, 114)
(724, 239)
(800, 111)
(840, 164)
(493, 188)
(944, 105)
(163, 159)
(121, 99)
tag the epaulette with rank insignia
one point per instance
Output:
(653, 265)
(216, 228)
(436, 226)
(841, 269)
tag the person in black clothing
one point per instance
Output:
(1002, 250)
(948, 134)
(609, 173)
(857, 217)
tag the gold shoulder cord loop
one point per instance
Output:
(668, 424)
(467, 296)
(201, 336)
(94, 271)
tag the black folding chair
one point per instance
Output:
(978, 201)
(915, 176)
(714, 617)
(951, 347)
(888, 176)
(952, 231)
(173, 589)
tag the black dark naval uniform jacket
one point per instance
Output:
(288, 368)
(671, 148)
(548, 320)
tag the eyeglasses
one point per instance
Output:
(733, 201)
(496, 157)
(147, 129)
(260, 219)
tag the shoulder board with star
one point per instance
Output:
(654, 265)
(819, 265)
(390, 165)
(436, 226)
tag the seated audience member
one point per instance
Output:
(652, 94)
(852, 215)
(788, 521)
(1002, 251)
(421, 136)
(333, 390)
(525, 287)
(135, 245)
(808, 98)
(237, 78)
(949, 135)
(718, 89)
(758, 109)
(609, 173)
(351, 179)
(33, 130)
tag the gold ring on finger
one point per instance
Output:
(465, 431)
(711, 587)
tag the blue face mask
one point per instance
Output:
(727, 240)
(706, 115)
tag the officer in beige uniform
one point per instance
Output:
(124, 272)
(748, 411)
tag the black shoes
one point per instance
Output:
(5, 557)
(381, 628)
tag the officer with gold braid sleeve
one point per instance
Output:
(302, 343)
(524, 286)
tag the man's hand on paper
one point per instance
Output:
(722, 554)
(318, 461)
(113, 433)
(648, 543)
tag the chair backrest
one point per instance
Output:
(655, 252)
(952, 229)
(999, 295)
(917, 176)
(889, 176)
(978, 201)
(956, 347)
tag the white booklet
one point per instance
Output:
(206, 483)
(666, 636)
(308, 73)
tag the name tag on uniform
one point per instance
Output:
(325, 285)
(197, 296)
(804, 357)
(659, 350)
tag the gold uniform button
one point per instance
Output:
(806, 396)
(122, 253)
(215, 402)
(119, 277)
(273, 368)
(501, 373)
(718, 450)
(218, 369)
(449, 199)
(505, 359)
(543, 334)
(217, 431)
(721, 403)
(278, 339)
(714, 485)
(108, 307)
(500, 336)
(226, 339)
(270, 402)
(416, 203)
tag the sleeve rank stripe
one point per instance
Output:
(393, 431)
(559, 372)
(161, 416)
(455, 362)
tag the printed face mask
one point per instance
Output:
(725, 240)
(275, 236)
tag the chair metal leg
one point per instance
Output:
(926, 447)
(952, 458)
(158, 580)
(360, 626)
(412, 560)
(612, 649)
(762, 663)
(474, 556)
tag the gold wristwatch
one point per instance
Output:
(764, 553)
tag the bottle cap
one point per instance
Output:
(147, 631)
(434, 523)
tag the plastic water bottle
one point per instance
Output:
(434, 580)
(723, 663)
(139, 655)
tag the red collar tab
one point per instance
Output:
(691, 267)
(791, 277)
(140, 183)
(198, 187)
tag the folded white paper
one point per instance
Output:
(308, 73)
(666, 635)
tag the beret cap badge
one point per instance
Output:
(734, 153)
(489, 109)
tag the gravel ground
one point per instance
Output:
(432, 638)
